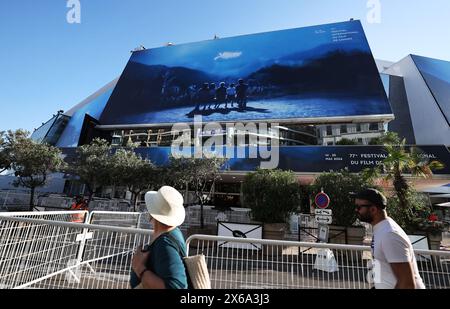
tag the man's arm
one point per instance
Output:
(404, 274)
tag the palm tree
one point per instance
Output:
(400, 161)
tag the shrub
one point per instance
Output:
(339, 186)
(272, 195)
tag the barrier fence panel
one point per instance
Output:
(113, 218)
(48, 254)
(266, 264)
(36, 253)
(434, 267)
(17, 201)
(236, 263)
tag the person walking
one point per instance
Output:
(392, 251)
(161, 265)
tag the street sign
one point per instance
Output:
(322, 200)
(324, 212)
(324, 219)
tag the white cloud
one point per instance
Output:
(228, 55)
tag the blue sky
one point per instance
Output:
(48, 64)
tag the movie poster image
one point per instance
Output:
(298, 74)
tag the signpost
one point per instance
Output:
(325, 260)
(324, 216)
(324, 220)
(324, 212)
(322, 200)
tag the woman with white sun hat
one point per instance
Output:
(161, 266)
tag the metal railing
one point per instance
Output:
(48, 254)
(269, 264)
(12, 200)
(36, 253)
(78, 216)
(113, 218)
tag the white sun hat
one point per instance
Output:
(166, 206)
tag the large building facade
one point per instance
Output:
(310, 88)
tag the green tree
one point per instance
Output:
(5, 158)
(136, 174)
(407, 207)
(390, 138)
(32, 162)
(92, 165)
(7, 139)
(272, 195)
(339, 186)
(197, 173)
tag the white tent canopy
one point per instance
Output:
(440, 190)
(441, 196)
(443, 205)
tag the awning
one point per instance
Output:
(441, 196)
(443, 205)
(443, 190)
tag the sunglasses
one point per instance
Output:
(362, 206)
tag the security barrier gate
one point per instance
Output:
(36, 253)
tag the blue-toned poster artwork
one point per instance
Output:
(437, 76)
(314, 72)
(315, 159)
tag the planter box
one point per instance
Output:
(435, 241)
(356, 235)
(347, 235)
(274, 231)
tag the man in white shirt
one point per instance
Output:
(395, 262)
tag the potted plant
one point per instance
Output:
(417, 219)
(272, 196)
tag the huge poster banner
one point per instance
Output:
(297, 75)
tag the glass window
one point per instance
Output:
(71, 135)
(57, 129)
(329, 130)
(344, 129)
(40, 134)
(374, 127)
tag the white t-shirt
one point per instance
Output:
(392, 245)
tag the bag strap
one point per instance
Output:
(176, 244)
(180, 253)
